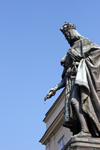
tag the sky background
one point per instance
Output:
(31, 47)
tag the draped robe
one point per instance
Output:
(86, 54)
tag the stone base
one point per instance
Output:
(86, 143)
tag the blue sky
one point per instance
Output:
(31, 47)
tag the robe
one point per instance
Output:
(82, 68)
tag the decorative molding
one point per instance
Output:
(54, 106)
(56, 124)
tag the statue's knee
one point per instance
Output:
(74, 101)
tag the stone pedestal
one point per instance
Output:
(86, 143)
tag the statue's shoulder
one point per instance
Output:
(82, 42)
(86, 41)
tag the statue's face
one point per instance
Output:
(70, 36)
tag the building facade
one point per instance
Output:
(56, 136)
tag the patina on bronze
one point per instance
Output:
(81, 79)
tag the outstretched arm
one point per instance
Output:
(53, 90)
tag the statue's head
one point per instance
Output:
(70, 33)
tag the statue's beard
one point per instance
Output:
(71, 42)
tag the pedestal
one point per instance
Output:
(86, 143)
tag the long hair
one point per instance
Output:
(75, 33)
(74, 36)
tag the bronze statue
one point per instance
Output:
(81, 79)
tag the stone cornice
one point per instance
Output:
(53, 107)
(57, 123)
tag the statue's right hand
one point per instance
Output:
(50, 93)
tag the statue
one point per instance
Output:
(81, 79)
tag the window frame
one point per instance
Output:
(62, 142)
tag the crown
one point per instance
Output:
(66, 26)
